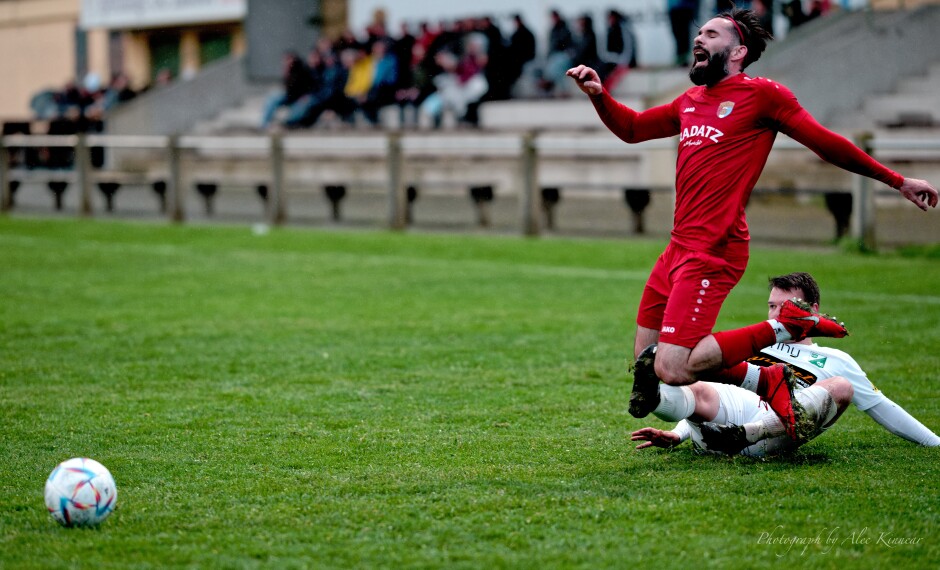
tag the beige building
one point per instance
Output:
(47, 43)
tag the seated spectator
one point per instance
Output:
(460, 84)
(300, 108)
(296, 81)
(117, 92)
(333, 96)
(420, 83)
(72, 101)
(384, 82)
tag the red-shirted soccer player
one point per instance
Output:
(726, 127)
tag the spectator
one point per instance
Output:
(117, 92)
(619, 55)
(420, 85)
(520, 51)
(384, 82)
(460, 84)
(497, 66)
(585, 42)
(361, 75)
(332, 96)
(297, 83)
(793, 10)
(403, 49)
(558, 58)
(426, 38)
(316, 66)
(765, 13)
(681, 15)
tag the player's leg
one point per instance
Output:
(644, 337)
(821, 405)
(700, 286)
(698, 402)
(727, 349)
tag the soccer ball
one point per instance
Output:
(80, 492)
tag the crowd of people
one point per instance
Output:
(447, 68)
(451, 67)
(88, 98)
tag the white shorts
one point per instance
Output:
(739, 406)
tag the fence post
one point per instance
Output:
(6, 198)
(83, 174)
(276, 209)
(863, 214)
(175, 194)
(528, 186)
(397, 194)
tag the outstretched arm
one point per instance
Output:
(629, 125)
(839, 151)
(895, 419)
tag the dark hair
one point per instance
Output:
(754, 38)
(799, 280)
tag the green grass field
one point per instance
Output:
(337, 399)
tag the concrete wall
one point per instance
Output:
(176, 108)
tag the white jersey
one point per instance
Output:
(811, 363)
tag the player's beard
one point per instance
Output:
(710, 74)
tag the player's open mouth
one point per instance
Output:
(700, 55)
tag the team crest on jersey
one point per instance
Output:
(817, 360)
(725, 109)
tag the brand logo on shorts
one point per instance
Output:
(669, 330)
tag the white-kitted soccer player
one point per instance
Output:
(729, 417)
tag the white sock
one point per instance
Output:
(783, 335)
(675, 403)
(770, 427)
(751, 378)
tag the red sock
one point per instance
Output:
(738, 345)
(734, 375)
(762, 380)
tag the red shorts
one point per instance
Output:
(685, 291)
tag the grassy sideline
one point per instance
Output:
(332, 399)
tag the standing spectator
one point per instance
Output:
(793, 10)
(520, 51)
(558, 58)
(403, 49)
(296, 82)
(681, 15)
(620, 53)
(498, 64)
(585, 42)
(764, 9)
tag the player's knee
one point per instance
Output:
(671, 374)
(840, 389)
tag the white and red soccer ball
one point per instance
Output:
(80, 492)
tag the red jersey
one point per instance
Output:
(725, 135)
